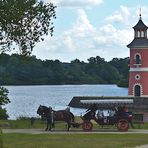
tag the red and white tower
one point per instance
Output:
(138, 74)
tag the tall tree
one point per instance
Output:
(24, 23)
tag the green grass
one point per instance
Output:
(67, 140)
(26, 123)
(21, 123)
(73, 140)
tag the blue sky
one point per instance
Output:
(89, 28)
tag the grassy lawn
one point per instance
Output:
(73, 140)
(67, 140)
(26, 123)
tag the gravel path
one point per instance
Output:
(142, 146)
(101, 131)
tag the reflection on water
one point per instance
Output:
(26, 99)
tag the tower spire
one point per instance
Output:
(140, 17)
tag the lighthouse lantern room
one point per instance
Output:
(138, 73)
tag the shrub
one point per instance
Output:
(1, 140)
(3, 100)
(3, 114)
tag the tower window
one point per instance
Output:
(137, 77)
(137, 59)
(142, 34)
(138, 33)
(137, 91)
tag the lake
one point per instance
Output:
(26, 99)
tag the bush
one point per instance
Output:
(3, 100)
(1, 140)
(3, 114)
(4, 96)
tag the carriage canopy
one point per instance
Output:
(108, 101)
(102, 102)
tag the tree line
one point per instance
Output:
(28, 70)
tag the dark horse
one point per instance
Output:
(52, 116)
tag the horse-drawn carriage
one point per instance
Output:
(119, 115)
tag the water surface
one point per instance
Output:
(26, 99)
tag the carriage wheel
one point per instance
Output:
(123, 125)
(87, 126)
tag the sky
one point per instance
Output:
(90, 28)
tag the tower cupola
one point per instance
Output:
(140, 35)
(140, 29)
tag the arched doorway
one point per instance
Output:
(137, 91)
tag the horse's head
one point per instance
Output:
(43, 110)
(40, 110)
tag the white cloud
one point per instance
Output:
(76, 3)
(115, 18)
(109, 28)
(114, 36)
(73, 42)
(84, 40)
(82, 27)
(119, 16)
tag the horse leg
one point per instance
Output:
(50, 125)
(68, 126)
(46, 126)
(53, 125)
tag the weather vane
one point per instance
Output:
(140, 14)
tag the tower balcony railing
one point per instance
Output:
(137, 63)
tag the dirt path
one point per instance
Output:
(102, 131)
(142, 146)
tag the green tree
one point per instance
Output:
(3, 100)
(94, 68)
(24, 22)
(123, 68)
(109, 73)
(75, 73)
